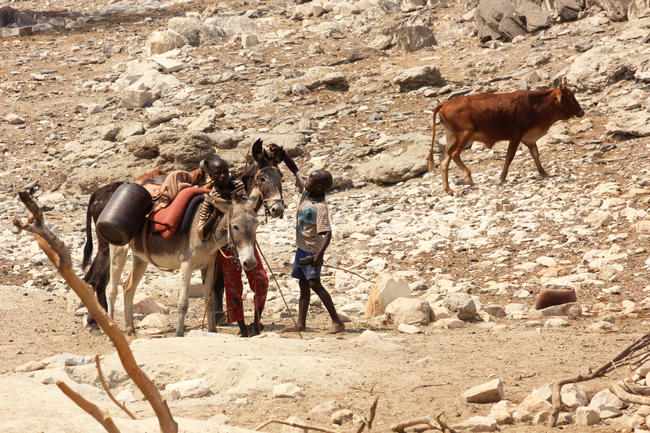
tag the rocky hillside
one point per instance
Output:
(113, 89)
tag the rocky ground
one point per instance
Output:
(349, 87)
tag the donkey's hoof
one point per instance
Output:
(178, 333)
(130, 331)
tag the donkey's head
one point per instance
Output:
(267, 179)
(237, 229)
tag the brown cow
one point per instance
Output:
(522, 116)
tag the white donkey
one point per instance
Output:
(186, 252)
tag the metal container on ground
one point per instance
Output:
(124, 213)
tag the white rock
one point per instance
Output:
(409, 311)
(477, 424)
(485, 393)
(516, 311)
(462, 304)
(607, 404)
(135, 97)
(408, 329)
(388, 287)
(193, 388)
(290, 390)
(14, 119)
(440, 313)
(586, 416)
(546, 261)
(599, 218)
(555, 322)
(450, 323)
(125, 396)
(155, 320)
(145, 304)
(249, 41)
(168, 64)
(371, 339)
(530, 407)
(502, 412)
(29, 366)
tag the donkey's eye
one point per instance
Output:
(262, 179)
(235, 228)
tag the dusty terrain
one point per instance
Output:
(439, 243)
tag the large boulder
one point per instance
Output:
(462, 304)
(600, 67)
(409, 311)
(505, 19)
(621, 10)
(568, 10)
(393, 167)
(387, 288)
(414, 37)
(417, 77)
(625, 124)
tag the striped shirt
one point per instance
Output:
(312, 220)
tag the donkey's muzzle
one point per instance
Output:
(277, 210)
(249, 264)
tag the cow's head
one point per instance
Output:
(568, 103)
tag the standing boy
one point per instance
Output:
(313, 235)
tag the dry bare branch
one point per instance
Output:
(101, 416)
(59, 254)
(108, 391)
(633, 355)
(436, 423)
(368, 422)
(295, 424)
(618, 390)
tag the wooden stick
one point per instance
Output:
(621, 393)
(59, 254)
(629, 356)
(295, 424)
(101, 416)
(401, 427)
(108, 391)
(368, 423)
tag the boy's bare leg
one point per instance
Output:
(303, 307)
(326, 299)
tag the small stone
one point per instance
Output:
(495, 310)
(555, 323)
(190, 388)
(155, 320)
(573, 396)
(14, 119)
(502, 412)
(408, 329)
(477, 424)
(341, 416)
(290, 390)
(586, 416)
(488, 392)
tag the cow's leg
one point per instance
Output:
(208, 282)
(137, 272)
(512, 149)
(534, 152)
(185, 275)
(453, 151)
(117, 257)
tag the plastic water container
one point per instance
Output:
(124, 213)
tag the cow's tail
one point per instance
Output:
(88, 247)
(431, 163)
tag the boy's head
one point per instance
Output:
(319, 182)
(218, 170)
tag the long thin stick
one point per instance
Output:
(295, 424)
(108, 391)
(349, 271)
(59, 254)
(280, 290)
(101, 416)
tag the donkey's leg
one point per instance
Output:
(137, 271)
(117, 260)
(208, 282)
(185, 275)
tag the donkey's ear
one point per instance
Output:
(224, 206)
(257, 150)
(203, 165)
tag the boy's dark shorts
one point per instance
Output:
(306, 272)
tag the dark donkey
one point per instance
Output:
(262, 172)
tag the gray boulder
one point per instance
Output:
(568, 10)
(462, 304)
(390, 168)
(600, 67)
(417, 77)
(626, 124)
(147, 146)
(505, 19)
(189, 151)
(414, 38)
(410, 311)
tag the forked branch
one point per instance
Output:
(59, 254)
(101, 416)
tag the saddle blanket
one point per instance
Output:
(166, 221)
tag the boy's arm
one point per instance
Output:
(318, 257)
